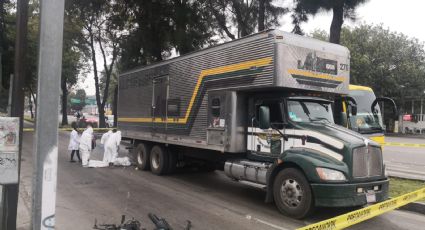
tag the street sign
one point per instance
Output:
(75, 101)
(9, 149)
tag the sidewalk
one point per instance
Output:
(25, 186)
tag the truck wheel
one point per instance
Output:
(292, 193)
(142, 156)
(159, 160)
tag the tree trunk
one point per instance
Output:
(100, 105)
(34, 101)
(261, 15)
(337, 20)
(242, 27)
(221, 21)
(30, 106)
(1, 42)
(64, 101)
(115, 106)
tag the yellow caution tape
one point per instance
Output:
(351, 218)
(404, 144)
(69, 129)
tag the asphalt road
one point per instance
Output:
(407, 162)
(208, 200)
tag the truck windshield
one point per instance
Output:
(310, 111)
(365, 121)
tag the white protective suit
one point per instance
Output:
(103, 140)
(111, 146)
(85, 145)
(74, 140)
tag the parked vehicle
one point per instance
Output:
(368, 119)
(109, 121)
(84, 121)
(259, 108)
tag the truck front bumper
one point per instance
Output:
(347, 195)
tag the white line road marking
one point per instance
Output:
(249, 217)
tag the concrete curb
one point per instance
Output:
(414, 207)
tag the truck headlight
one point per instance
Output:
(330, 174)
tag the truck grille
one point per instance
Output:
(367, 162)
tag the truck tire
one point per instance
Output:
(292, 193)
(159, 160)
(142, 153)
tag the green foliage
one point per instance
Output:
(7, 42)
(389, 62)
(399, 186)
(246, 16)
(156, 28)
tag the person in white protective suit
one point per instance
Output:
(74, 143)
(86, 145)
(103, 140)
(111, 146)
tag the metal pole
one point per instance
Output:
(11, 191)
(46, 133)
(413, 104)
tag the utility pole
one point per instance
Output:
(11, 191)
(46, 133)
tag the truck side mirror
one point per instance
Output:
(352, 104)
(390, 101)
(353, 109)
(343, 120)
(264, 117)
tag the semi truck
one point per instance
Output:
(260, 108)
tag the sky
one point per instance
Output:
(405, 16)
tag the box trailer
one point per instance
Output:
(259, 108)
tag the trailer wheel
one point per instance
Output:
(292, 193)
(142, 156)
(159, 160)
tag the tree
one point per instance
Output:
(191, 29)
(73, 59)
(7, 38)
(341, 9)
(246, 16)
(101, 32)
(389, 62)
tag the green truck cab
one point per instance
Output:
(259, 108)
(323, 165)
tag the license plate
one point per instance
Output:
(370, 197)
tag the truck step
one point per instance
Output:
(252, 184)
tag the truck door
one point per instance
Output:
(159, 105)
(266, 141)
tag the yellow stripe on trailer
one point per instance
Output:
(355, 217)
(217, 70)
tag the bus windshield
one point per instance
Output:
(365, 121)
(310, 111)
